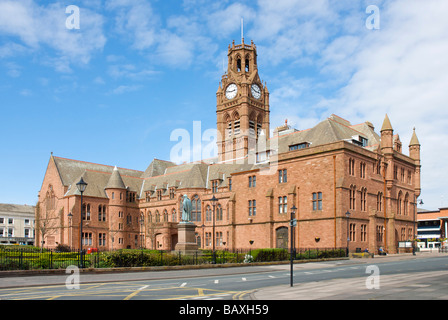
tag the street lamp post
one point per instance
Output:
(70, 217)
(142, 221)
(292, 224)
(213, 200)
(415, 225)
(81, 185)
(347, 214)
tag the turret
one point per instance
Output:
(414, 153)
(387, 136)
(115, 187)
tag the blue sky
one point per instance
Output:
(114, 90)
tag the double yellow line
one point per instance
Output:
(240, 295)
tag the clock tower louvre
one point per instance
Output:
(242, 104)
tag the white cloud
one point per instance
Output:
(292, 29)
(41, 27)
(226, 21)
(401, 70)
(135, 21)
(130, 71)
(125, 89)
(25, 92)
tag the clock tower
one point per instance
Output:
(242, 107)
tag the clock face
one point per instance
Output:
(231, 91)
(256, 92)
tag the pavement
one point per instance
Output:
(421, 285)
(407, 286)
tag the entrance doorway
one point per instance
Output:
(282, 237)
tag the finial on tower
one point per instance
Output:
(242, 30)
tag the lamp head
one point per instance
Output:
(82, 185)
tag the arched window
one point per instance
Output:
(363, 199)
(101, 213)
(379, 201)
(218, 212)
(149, 217)
(400, 203)
(165, 215)
(351, 167)
(236, 123)
(259, 125)
(86, 211)
(229, 129)
(208, 213)
(196, 208)
(406, 204)
(352, 197)
(173, 216)
(252, 120)
(157, 216)
(83, 211)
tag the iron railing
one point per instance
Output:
(28, 258)
(25, 258)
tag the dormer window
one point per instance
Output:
(263, 156)
(172, 192)
(215, 186)
(299, 146)
(359, 140)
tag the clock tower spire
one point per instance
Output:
(242, 107)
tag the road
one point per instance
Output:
(213, 284)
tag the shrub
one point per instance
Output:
(63, 248)
(266, 255)
(136, 258)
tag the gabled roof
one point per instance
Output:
(157, 168)
(97, 176)
(162, 175)
(329, 130)
(70, 169)
(191, 175)
(97, 182)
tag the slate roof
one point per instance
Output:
(9, 208)
(115, 181)
(70, 169)
(97, 176)
(161, 175)
(329, 130)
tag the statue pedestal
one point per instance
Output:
(186, 238)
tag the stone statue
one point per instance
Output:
(186, 209)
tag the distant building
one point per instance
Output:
(432, 229)
(325, 171)
(16, 224)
